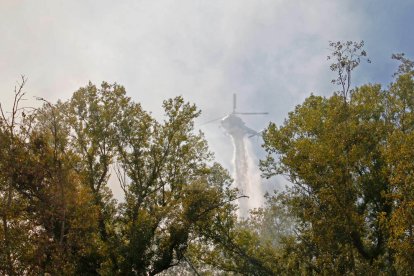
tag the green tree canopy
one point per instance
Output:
(58, 214)
(349, 159)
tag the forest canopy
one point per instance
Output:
(349, 208)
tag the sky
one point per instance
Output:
(271, 53)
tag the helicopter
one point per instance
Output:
(234, 125)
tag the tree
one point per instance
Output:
(169, 187)
(91, 115)
(340, 154)
(58, 214)
(399, 155)
(249, 247)
(46, 215)
(347, 56)
(12, 233)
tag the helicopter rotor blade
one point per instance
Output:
(252, 113)
(211, 121)
(260, 133)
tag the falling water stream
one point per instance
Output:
(246, 175)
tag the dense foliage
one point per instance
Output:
(349, 208)
(58, 214)
(350, 159)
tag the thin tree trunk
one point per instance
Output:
(9, 265)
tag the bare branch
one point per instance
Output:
(121, 176)
(347, 55)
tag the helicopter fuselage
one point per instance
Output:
(235, 126)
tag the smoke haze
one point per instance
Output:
(271, 53)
